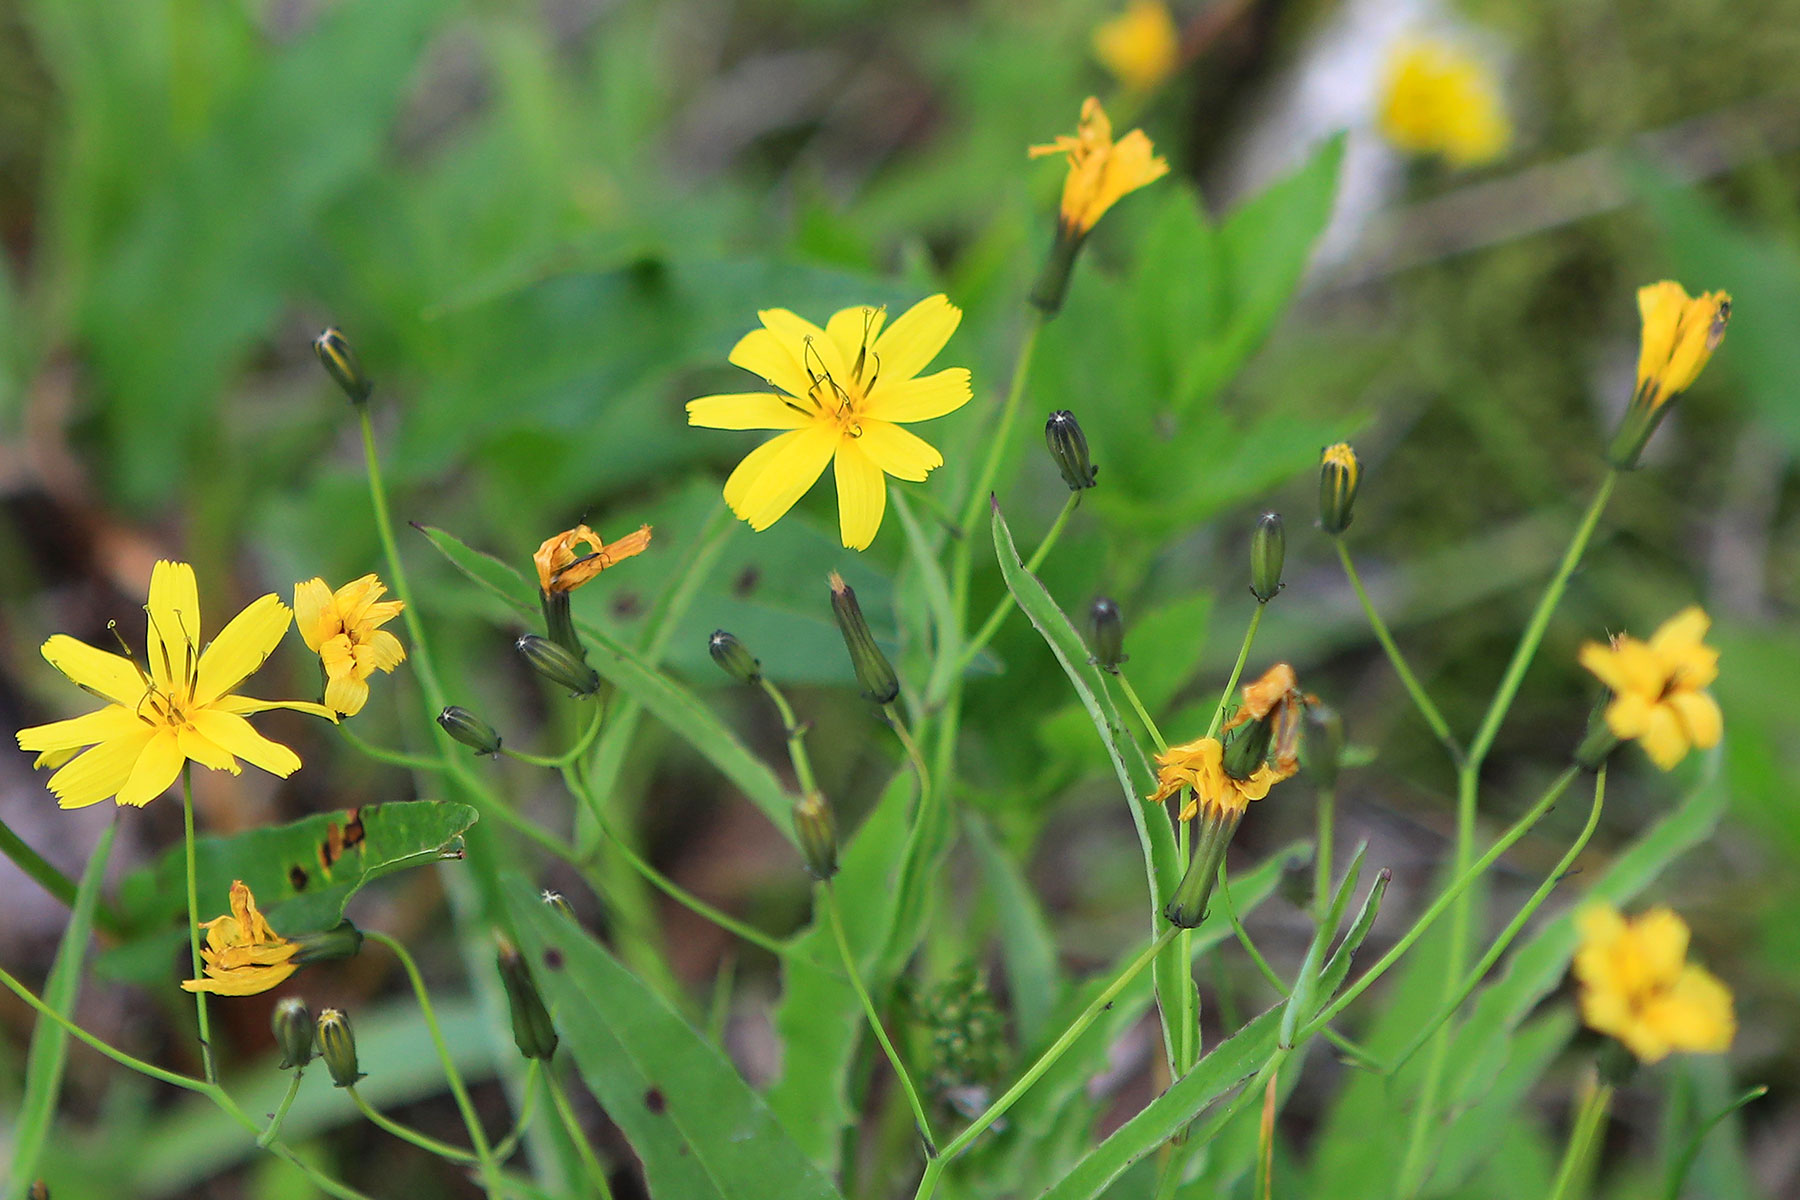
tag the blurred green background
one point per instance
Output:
(544, 225)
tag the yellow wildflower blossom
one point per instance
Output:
(841, 394)
(1437, 98)
(243, 955)
(1658, 687)
(1200, 765)
(1101, 170)
(343, 629)
(1637, 985)
(1680, 335)
(181, 709)
(1140, 46)
(560, 569)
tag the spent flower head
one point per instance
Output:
(243, 954)
(561, 569)
(1658, 686)
(344, 629)
(1637, 985)
(180, 708)
(1437, 98)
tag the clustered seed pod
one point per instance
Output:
(1068, 446)
(557, 665)
(816, 830)
(733, 658)
(292, 1023)
(1339, 475)
(341, 364)
(873, 670)
(470, 730)
(1106, 635)
(1268, 548)
(337, 1046)
(533, 1031)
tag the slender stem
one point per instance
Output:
(1594, 1109)
(173, 1078)
(796, 736)
(568, 756)
(590, 1164)
(1237, 671)
(423, 1141)
(193, 903)
(898, 723)
(1421, 700)
(287, 1101)
(477, 1136)
(1004, 605)
(887, 1047)
(1137, 705)
(1046, 1060)
(1009, 411)
(1243, 937)
(503, 1149)
(1327, 803)
(424, 666)
(397, 758)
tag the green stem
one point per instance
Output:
(1048, 1059)
(898, 724)
(1420, 699)
(796, 737)
(1594, 1110)
(503, 1149)
(396, 758)
(172, 1078)
(868, 1004)
(1237, 671)
(423, 1141)
(568, 756)
(1243, 936)
(1327, 803)
(991, 626)
(287, 1101)
(46, 876)
(424, 666)
(1137, 705)
(590, 1164)
(477, 1136)
(193, 903)
(1009, 411)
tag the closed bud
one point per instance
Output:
(1212, 836)
(1068, 446)
(1322, 750)
(557, 665)
(341, 364)
(1053, 281)
(337, 1046)
(533, 1032)
(816, 830)
(1268, 548)
(1249, 749)
(293, 1027)
(342, 941)
(732, 658)
(470, 730)
(1339, 475)
(1106, 635)
(873, 671)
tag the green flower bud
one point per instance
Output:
(1249, 749)
(817, 833)
(337, 1046)
(1068, 446)
(341, 364)
(1322, 750)
(732, 658)
(1106, 635)
(560, 903)
(1053, 282)
(1268, 547)
(557, 665)
(1213, 830)
(470, 730)
(873, 670)
(293, 1026)
(1339, 475)
(343, 940)
(533, 1032)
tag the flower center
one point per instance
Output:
(841, 400)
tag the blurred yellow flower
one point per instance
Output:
(560, 569)
(1680, 335)
(181, 709)
(1100, 169)
(1200, 765)
(1437, 98)
(343, 629)
(1140, 46)
(1658, 687)
(243, 955)
(841, 393)
(1637, 985)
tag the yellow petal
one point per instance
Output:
(914, 339)
(901, 454)
(1628, 715)
(246, 982)
(314, 612)
(778, 472)
(196, 747)
(746, 410)
(234, 735)
(174, 612)
(110, 675)
(347, 693)
(382, 652)
(862, 495)
(765, 355)
(1699, 714)
(155, 769)
(93, 776)
(920, 398)
(816, 353)
(115, 720)
(853, 330)
(244, 705)
(241, 647)
(1663, 737)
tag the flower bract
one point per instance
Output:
(243, 955)
(1659, 695)
(344, 629)
(1637, 985)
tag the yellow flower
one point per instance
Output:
(1200, 765)
(180, 709)
(1140, 46)
(343, 629)
(1437, 98)
(1680, 335)
(1637, 985)
(1277, 698)
(560, 569)
(841, 393)
(1658, 687)
(1100, 170)
(243, 955)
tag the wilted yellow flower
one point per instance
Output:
(1658, 687)
(1200, 765)
(343, 629)
(1100, 169)
(1140, 46)
(1680, 335)
(1277, 699)
(181, 709)
(842, 393)
(1437, 98)
(1637, 985)
(560, 569)
(243, 954)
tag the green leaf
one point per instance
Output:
(50, 1041)
(695, 1125)
(1027, 945)
(1474, 1136)
(1302, 1000)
